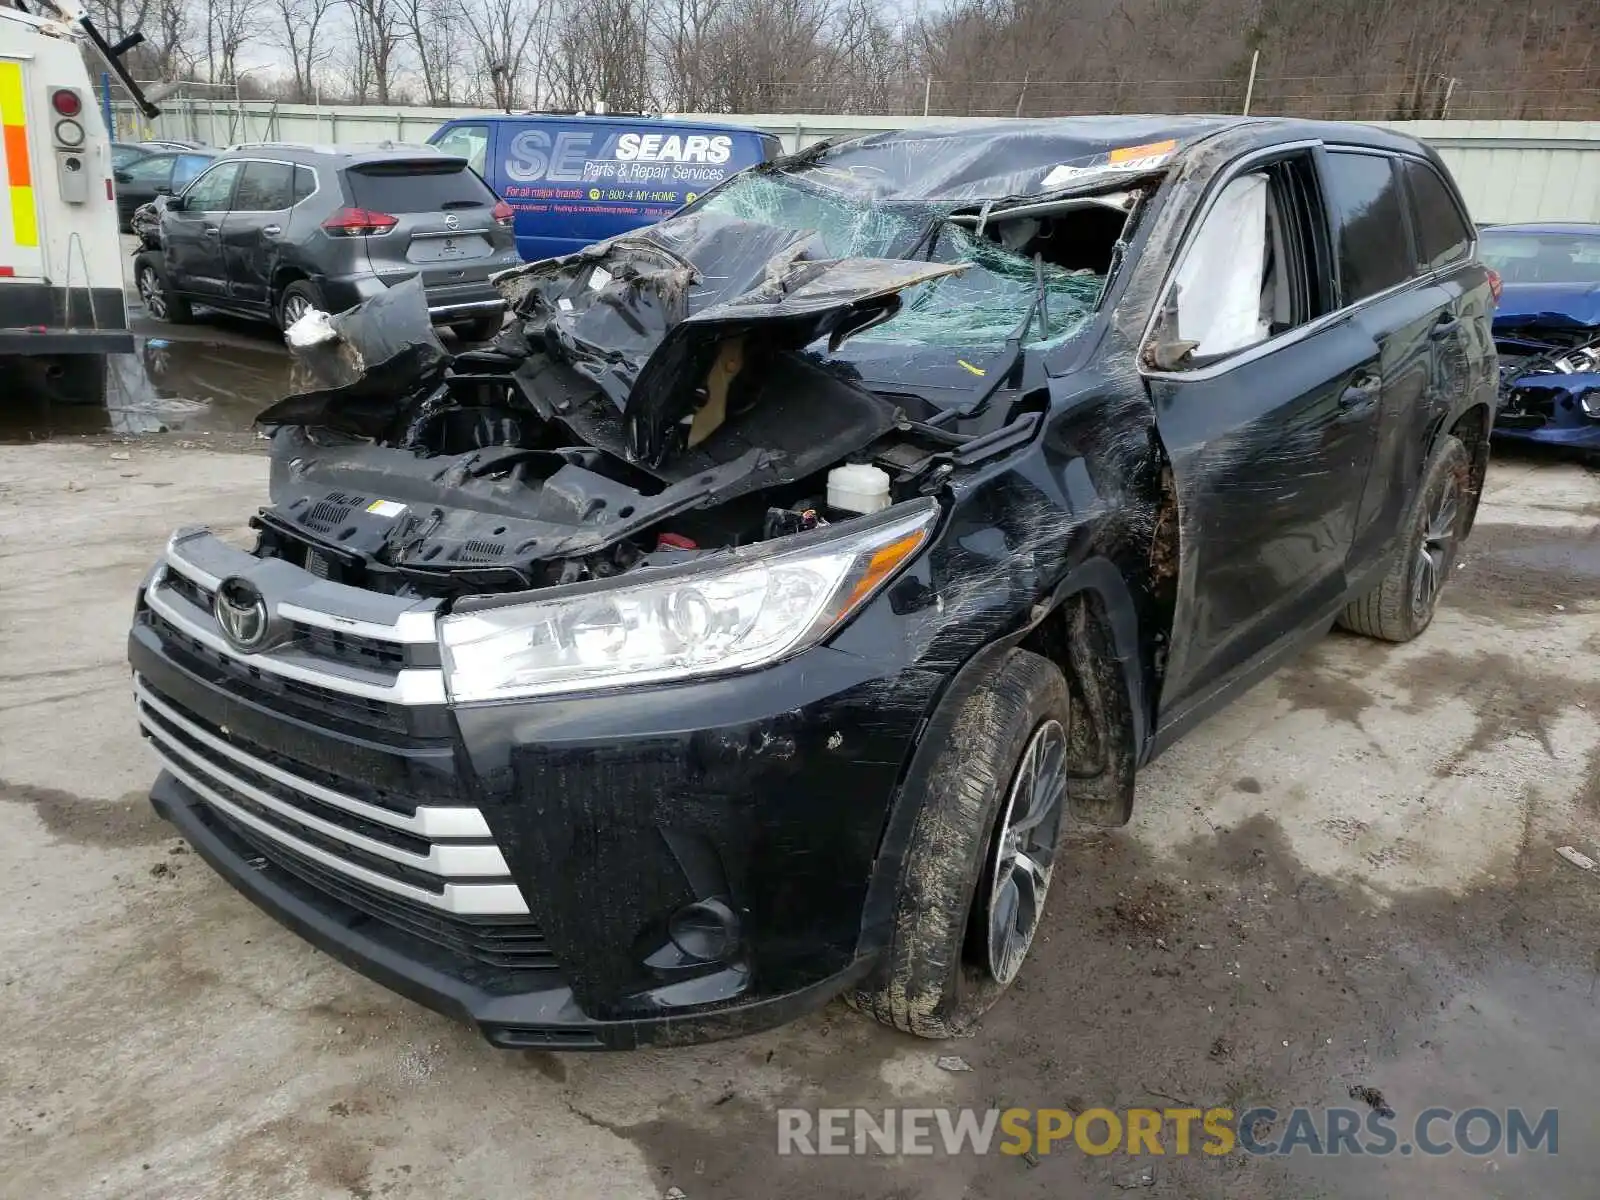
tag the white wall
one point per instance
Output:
(1508, 170)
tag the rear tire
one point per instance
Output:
(977, 870)
(1403, 604)
(299, 298)
(150, 275)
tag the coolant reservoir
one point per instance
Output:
(858, 488)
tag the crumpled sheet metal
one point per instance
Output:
(973, 163)
(384, 353)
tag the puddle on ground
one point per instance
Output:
(165, 385)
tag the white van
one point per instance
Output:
(61, 299)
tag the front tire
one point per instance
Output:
(150, 274)
(1403, 604)
(979, 863)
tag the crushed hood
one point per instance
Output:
(642, 316)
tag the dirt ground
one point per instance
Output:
(1346, 880)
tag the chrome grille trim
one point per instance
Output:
(411, 686)
(412, 628)
(443, 859)
(464, 899)
(428, 822)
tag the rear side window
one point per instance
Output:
(1442, 232)
(470, 142)
(305, 182)
(1369, 223)
(156, 170)
(265, 187)
(417, 187)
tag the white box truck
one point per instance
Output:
(61, 295)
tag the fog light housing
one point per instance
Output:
(707, 930)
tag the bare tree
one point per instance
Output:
(682, 30)
(304, 22)
(436, 30)
(229, 25)
(599, 55)
(379, 35)
(502, 35)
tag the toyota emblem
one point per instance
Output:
(241, 611)
(451, 221)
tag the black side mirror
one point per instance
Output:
(174, 203)
(1165, 351)
(121, 176)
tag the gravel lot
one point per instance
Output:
(1347, 879)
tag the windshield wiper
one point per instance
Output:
(929, 237)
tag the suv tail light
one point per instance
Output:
(359, 222)
(1496, 286)
(503, 213)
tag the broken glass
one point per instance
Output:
(982, 307)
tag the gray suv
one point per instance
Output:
(273, 230)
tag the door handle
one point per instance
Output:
(1446, 325)
(272, 230)
(212, 231)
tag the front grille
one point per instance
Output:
(511, 943)
(305, 701)
(436, 857)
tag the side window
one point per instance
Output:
(1442, 232)
(305, 182)
(470, 142)
(211, 192)
(1369, 223)
(1248, 273)
(153, 171)
(186, 168)
(265, 187)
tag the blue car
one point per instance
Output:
(577, 180)
(1547, 330)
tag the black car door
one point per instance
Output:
(1266, 399)
(191, 234)
(253, 230)
(1406, 313)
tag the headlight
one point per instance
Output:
(745, 609)
(1590, 403)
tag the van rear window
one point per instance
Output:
(415, 187)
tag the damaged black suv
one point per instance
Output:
(739, 629)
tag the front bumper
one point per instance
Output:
(545, 1017)
(762, 796)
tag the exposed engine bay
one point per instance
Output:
(683, 389)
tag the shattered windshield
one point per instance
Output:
(982, 307)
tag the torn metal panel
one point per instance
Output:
(383, 352)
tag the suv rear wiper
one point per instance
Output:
(449, 204)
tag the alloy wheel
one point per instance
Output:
(1439, 529)
(151, 293)
(294, 307)
(1025, 850)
